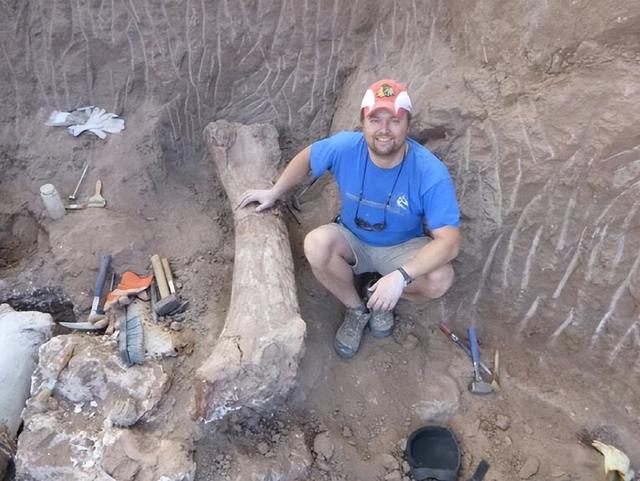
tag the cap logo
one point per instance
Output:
(385, 90)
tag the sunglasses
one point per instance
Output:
(364, 225)
(379, 226)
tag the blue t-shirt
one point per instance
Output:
(423, 196)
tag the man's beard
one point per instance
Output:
(389, 149)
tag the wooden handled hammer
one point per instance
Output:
(168, 302)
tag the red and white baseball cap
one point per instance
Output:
(386, 94)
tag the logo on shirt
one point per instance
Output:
(402, 201)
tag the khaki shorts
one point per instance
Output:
(380, 259)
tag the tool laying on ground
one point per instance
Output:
(97, 320)
(447, 332)
(96, 311)
(154, 301)
(97, 200)
(480, 471)
(131, 338)
(166, 268)
(75, 192)
(495, 378)
(129, 286)
(477, 386)
(168, 302)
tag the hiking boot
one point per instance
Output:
(349, 334)
(381, 323)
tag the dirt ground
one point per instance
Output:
(539, 425)
(532, 106)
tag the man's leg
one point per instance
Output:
(331, 258)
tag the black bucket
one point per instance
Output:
(433, 452)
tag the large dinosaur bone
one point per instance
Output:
(255, 360)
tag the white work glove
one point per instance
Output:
(99, 122)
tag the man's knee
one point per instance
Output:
(317, 246)
(435, 284)
(325, 243)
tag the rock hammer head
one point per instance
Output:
(167, 305)
(480, 387)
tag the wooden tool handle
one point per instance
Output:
(158, 272)
(167, 272)
(98, 186)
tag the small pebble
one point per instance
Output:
(393, 476)
(529, 468)
(263, 448)
(503, 422)
(411, 342)
(323, 445)
(346, 432)
(389, 462)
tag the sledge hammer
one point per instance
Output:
(168, 302)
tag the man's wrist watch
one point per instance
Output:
(407, 278)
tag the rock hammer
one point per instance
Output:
(168, 302)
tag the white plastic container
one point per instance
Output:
(52, 201)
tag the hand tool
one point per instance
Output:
(495, 379)
(97, 200)
(154, 301)
(131, 338)
(480, 471)
(75, 192)
(168, 302)
(96, 311)
(477, 386)
(168, 275)
(447, 332)
(83, 326)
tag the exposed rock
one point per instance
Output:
(323, 445)
(394, 476)
(411, 342)
(440, 398)
(74, 440)
(145, 457)
(529, 468)
(389, 462)
(503, 422)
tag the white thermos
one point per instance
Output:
(52, 201)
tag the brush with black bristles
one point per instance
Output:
(131, 341)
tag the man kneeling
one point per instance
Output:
(399, 215)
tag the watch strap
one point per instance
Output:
(405, 275)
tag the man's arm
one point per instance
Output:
(440, 251)
(296, 172)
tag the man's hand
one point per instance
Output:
(386, 292)
(265, 198)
